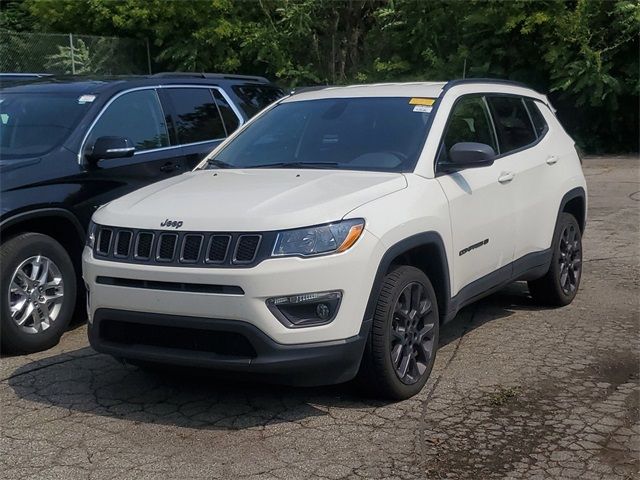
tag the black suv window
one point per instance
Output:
(196, 115)
(538, 120)
(512, 123)
(254, 98)
(135, 115)
(469, 122)
(231, 121)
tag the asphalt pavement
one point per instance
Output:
(517, 392)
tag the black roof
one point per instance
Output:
(75, 84)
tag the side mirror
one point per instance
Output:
(470, 155)
(111, 147)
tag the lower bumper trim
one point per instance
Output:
(204, 342)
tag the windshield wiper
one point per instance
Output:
(297, 165)
(218, 163)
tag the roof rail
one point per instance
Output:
(224, 76)
(499, 81)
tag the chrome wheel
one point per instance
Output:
(412, 329)
(36, 291)
(570, 259)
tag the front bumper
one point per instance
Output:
(226, 345)
(352, 272)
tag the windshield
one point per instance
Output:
(31, 124)
(382, 134)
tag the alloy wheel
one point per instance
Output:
(412, 329)
(36, 292)
(570, 259)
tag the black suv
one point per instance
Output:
(69, 145)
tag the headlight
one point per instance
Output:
(330, 238)
(91, 235)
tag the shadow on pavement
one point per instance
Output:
(88, 382)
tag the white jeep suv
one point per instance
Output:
(331, 235)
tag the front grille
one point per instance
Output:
(194, 249)
(143, 245)
(218, 248)
(167, 247)
(123, 243)
(104, 241)
(246, 248)
(191, 248)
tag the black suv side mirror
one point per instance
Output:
(111, 147)
(470, 155)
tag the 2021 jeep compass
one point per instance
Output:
(332, 234)
(71, 144)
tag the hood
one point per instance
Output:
(249, 200)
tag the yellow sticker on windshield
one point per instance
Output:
(422, 101)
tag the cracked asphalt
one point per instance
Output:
(517, 392)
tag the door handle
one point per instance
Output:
(506, 177)
(169, 167)
(552, 159)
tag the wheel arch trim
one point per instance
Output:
(577, 192)
(424, 239)
(40, 213)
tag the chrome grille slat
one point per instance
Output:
(218, 248)
(191, 245)
(166, 249)
(123, 243)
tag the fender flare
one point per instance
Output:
(430, 238)
(577, 192)
(44, 212)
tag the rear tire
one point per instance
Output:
(560, 284)
(37, 293)
(404, 336)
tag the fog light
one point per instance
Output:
(307, 309)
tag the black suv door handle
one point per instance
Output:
(169, 167)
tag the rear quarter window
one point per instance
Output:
(538, 120)
(254, 98)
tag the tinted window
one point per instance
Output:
(254, 98)
(197, 117)
(469, 122)
(134, 115)
(31, 124)
(539, 122)
(343, 133)
(512, 123)
(231, 121)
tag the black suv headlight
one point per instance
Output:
(319, 240)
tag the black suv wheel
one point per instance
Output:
(560, 285)
(38, 293)
(404, 335)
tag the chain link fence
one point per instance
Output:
(71, 54)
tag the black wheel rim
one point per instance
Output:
(570, 259)
(412, 333)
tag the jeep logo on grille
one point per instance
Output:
(171, 223)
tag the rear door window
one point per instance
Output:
(512, 123)
(196, 115)
(135, 115)
(254, 98)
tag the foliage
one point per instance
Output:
(583, 53)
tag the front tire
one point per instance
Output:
(404, 336)
(560, 284)
(37, 293)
